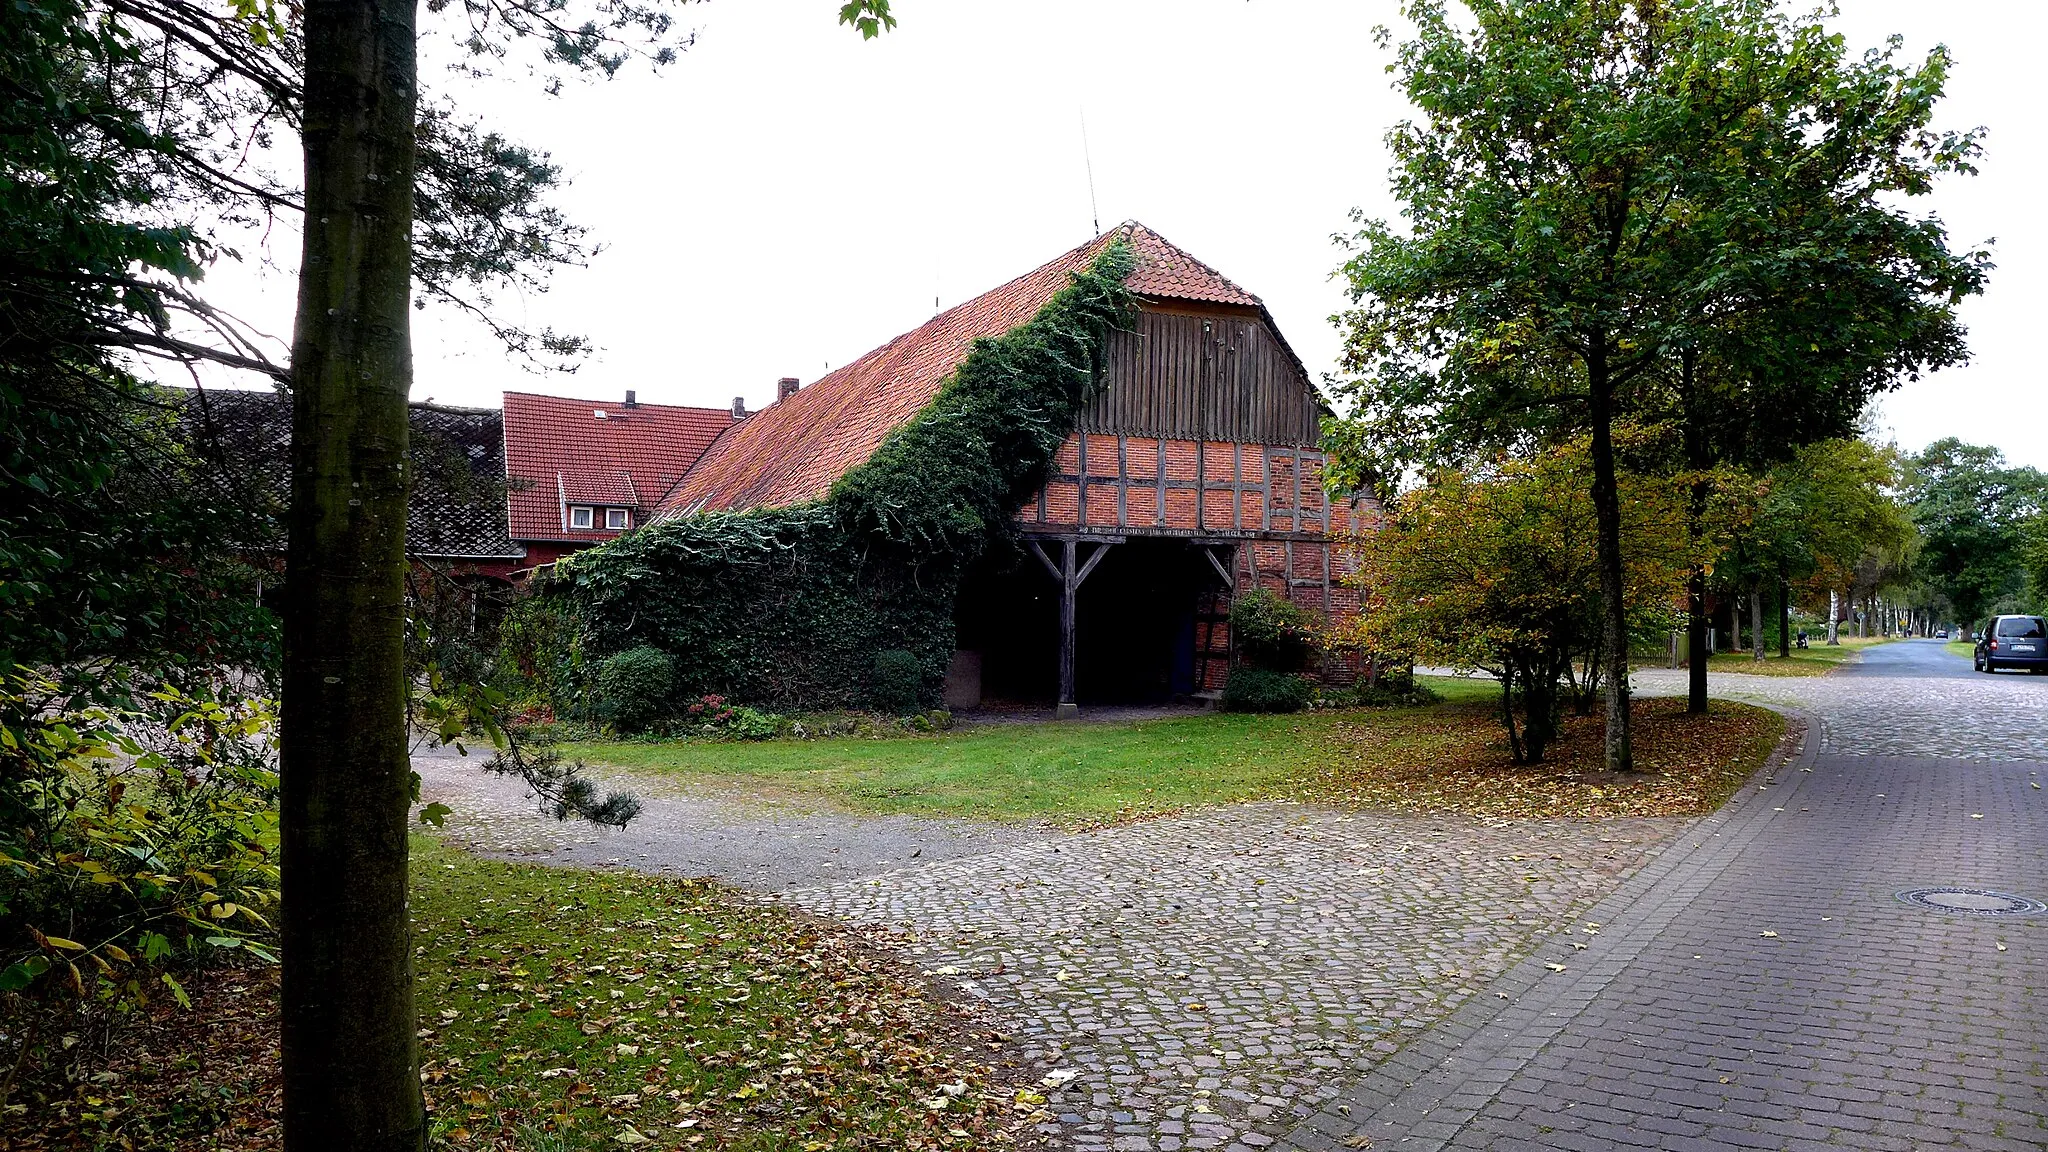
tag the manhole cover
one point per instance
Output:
(1972, 901)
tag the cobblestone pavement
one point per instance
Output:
(1760, 984)
(1205, 982)
(1201, 982)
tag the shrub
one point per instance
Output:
(1263, 690)
(716, 718)
(636, 685)
(1272, 633)
(899, 680)
(134, 841)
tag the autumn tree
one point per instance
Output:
(1493, 567)
(1598, 193)
(1813, 521)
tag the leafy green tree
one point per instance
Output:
(350, 1065)
(2034, 558)
(115, 530)
(1599, 193)
(1972, 510)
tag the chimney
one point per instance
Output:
(631, 401)
(786, 387)
(739, 407)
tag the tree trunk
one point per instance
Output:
(1756, 622)
(1784, 615)
(1696, 516)
(1507, 710)
(1620, 756)
(350, 1062)
(1539, 714)
(1696, 642)
(1834, 616)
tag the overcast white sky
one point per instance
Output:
(786, 197)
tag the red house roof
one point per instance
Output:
(795, 449)
(561, 451)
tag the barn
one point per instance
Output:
(1192, 476)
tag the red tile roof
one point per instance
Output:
(559, 451)
(795, 449)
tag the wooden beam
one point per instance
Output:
(1069, 585)
(1050, 567)
(1101, 549)
(1221, 571)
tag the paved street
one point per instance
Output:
(1760, 985)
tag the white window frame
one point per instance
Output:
(582, 516)
(622, 515)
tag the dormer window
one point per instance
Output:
(617, 519)
(580, 516)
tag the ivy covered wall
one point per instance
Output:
(788, 607)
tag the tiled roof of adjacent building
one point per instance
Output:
(562, 451)
(795, 449)
(457, 509)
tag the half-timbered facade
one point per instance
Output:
(1193, 476)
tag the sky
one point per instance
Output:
(785, 196)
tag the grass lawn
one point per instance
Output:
(564, 1010)
(1963, 648)
(1817, 660)
(1449, 756)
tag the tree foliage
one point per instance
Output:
(1818, 517)
(1596, 191)
(1494, 567)
(1973, 511)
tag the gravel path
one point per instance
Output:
(761, 845)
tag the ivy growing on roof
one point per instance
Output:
(790, 606)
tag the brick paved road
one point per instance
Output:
(1758, 985)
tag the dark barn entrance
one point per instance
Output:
(1144, 613)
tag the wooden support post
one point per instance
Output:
(1071, 571)
(1068, 709)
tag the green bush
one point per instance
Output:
(540, 654)
(1272, 633)
(899, 681)
(135, 841)
(636, 686)
(1263, 690)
